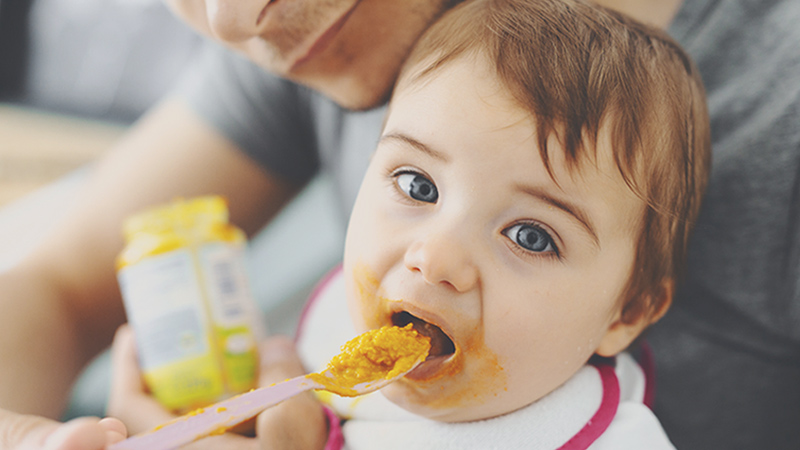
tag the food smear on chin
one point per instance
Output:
(378, 354)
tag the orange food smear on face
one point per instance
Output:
(377, 354)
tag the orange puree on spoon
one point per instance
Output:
(378, 354)
(366, 363)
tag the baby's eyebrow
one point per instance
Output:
(573, 210)
(414, 143)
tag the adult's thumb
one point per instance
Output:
(279, 360)
(27, 432)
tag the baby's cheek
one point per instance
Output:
(363, 297)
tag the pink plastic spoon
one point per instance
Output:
(220, 417)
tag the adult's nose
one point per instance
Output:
(442, 257)
(234, 20)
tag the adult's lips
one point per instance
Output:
(441, 344)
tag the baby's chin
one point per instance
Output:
(396, 394)
(460, 398)
(415, 402)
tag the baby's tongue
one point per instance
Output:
(440, 344)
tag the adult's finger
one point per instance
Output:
(279, 360)
(114, 429)
(125, 367)
(19, 431)
(295, 424)
(26, 432)
(78, 434)
(129, 400)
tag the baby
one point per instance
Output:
(527, 208)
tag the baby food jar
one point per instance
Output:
(186, 294)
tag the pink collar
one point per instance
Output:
(605, 413)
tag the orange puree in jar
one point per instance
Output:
(377, 354)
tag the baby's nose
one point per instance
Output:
(442, 259)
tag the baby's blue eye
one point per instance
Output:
(530, 237)
(418, 187)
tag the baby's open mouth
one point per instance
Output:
(441, 344)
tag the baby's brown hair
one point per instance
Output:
(576, 67)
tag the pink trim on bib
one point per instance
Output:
(312, 299)
(335, 435)
(598, 424)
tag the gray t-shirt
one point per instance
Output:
(728, 353)
(291, 130)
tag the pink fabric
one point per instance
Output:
(598, 424)
(320, 287)
(335, 436)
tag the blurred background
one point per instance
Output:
(77, 72)
(74, 74)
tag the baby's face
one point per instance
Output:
(459, 229)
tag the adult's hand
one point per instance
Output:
(26, 432)
(298, 423)
(62, 302)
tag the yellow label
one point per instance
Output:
(186, 295)
(188, 384)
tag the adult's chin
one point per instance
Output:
(357, 98)
(352, 88)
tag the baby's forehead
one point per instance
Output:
(571, 151)
(594, 155)
(594, 159)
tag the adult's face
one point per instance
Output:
(349, 50)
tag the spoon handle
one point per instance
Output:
(217, 418)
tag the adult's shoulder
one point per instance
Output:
(269, 118)
(730, 33)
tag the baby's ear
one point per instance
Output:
(621, 333)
